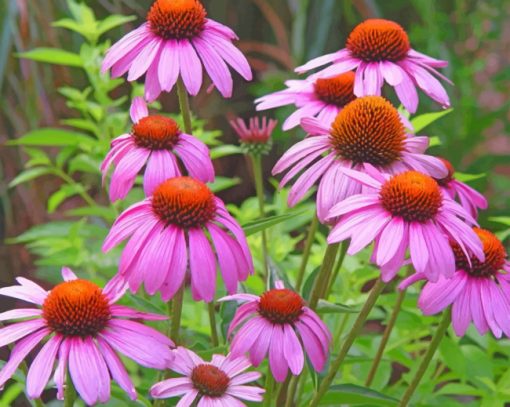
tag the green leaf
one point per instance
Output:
(265, 223)
(222, 183)
(29, 175)
(352, 394)
(504, 220)
(468, 177)
(53, 137)
(225, 150)
(61, 195)
(422, 121)
(434, 141)
(84, 163)
(113, 21)
(326, 307)
(104, 212)
(53, 56)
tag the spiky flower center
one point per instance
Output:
(451, 171)
(369, 130)
(411, 195)
(281, 306)
(209, 380)
(495, 255)
(184, 201)
(156, 132)
(76, 308)
(377, 40)
(177, 19)
(337, 90)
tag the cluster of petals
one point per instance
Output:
(255, 131)
(365, 218)
(264, 326)
(310, 98)
(159, 253)
(158, 150)
(470, 199)
(317, 160)
(219, 383)
(478, 292)
(178, 41)
(87, 350)
(379, 51)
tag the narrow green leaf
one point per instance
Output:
(29, 175)
(58, 197)
(468, 177)
(326, 307)
(265, 223)
(104, 212)
(113, 21)
(52, 137)
(505, 220)
(422, 121)
(222, 183)
(53, 56)
(352, 394)
(225, 150)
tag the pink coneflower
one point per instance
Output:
(368, 130)
(170, 229)
(220, 382)
(255, 137)
(479, 291)
(155, 142)
(379, 50)
(407, 210)
(470, 199)
(85, 330)
(178, 39)
(270, 323)
(315, 97)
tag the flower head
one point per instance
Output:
(470, 199)
(271, 324)
(177, 40)
(173, 228)
(379, 50)
(84, 331)
(368, 131)
(220, 382)
(479, 291)
(314, 97)
(157, 143)
(256, 136)
(407, 210)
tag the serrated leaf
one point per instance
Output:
(424, 120)
(29, 175)
(52, 137)
(352, 394)
(53, 56)
(265, 223)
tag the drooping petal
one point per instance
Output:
(202, 266)
(277, 361)
(190, 67)
(42, 366)
(292, 350)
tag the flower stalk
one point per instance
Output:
(307, 251)
(431, 350)
(349, 340)
(324, 274)
(212, 320)
(69, 392)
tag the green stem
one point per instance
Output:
(212, 320)
(323, 276)
(307, 250)
(386, 336)
(79, 188)
(69, 392)
(176, 315)
(349, 340)
(434, 343)
(269, 386)
(338, 267)
(256, 161)
(291, 391)
(184, 105)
